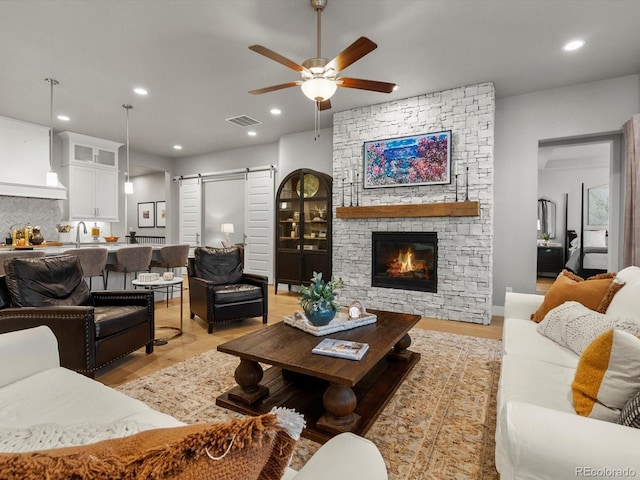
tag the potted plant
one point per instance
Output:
(545, 239)
(318, 300)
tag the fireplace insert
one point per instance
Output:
(405, 260)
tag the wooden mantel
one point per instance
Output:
(450, 209)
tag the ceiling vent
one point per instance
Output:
(243, 121)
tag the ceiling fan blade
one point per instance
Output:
(275, 87)
(324, 105)
(383, 87)
(277, 57)
(351, 54)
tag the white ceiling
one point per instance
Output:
(193, 58)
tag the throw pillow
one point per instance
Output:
(247, 448)
(626, 302)
(630, 415)
(218, 265)
(568, 286)
(595, 238)
(608, 375)
(47, 281)
(574, 326)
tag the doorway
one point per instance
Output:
(566, 168)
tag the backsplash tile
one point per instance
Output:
(42, 212)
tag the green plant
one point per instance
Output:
(545, 236)
(320, 295)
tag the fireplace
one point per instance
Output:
(405, 260)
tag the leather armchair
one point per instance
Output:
(93, 328)
(219, 290)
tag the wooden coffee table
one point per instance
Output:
(335, 395)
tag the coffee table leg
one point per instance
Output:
(400, 351)
(248, 375)
(339, 402)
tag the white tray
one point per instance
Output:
(339, 323)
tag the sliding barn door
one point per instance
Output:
(191, 212)
(258, 223)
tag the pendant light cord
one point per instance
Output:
(127, 107)
(51, 82)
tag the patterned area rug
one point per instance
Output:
(440, 424)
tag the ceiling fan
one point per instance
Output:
(320, 76)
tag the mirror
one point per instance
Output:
(546, 218)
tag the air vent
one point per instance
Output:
(243, 121)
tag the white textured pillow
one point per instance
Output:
(595, 238)
(626, 302)
(574, 326)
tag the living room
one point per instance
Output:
(488, 255)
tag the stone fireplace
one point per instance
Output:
(464, 255)
(405, 260)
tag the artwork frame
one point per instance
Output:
(598, 206)
(414, 160)
(146, 214)
(161, 214)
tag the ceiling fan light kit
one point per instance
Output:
(319, 76)
(319, 89)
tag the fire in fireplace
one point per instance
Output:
(405, 260)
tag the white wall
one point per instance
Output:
(146, 188)
(300, 150)
(223, 203)
(257, 156)
(521, 122)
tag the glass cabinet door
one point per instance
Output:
(289, 207)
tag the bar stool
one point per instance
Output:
(171, 256)
(18, 253)
(130, 260)
(92, 261)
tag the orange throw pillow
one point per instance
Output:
(570, 287)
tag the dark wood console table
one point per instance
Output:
(335, 395)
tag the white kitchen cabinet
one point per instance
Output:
(90, 167)
(81, 149)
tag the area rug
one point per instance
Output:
(440, 424)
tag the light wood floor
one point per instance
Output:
(196, 340)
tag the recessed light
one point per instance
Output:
(177, 147)
(396, 87)
(140, 91)
(64, 118)
(573, 45)
(251, 133)
(275, 111)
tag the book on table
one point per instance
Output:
(341, 348)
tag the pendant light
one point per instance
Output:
(52, 177)
(128, 184)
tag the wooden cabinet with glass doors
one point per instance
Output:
(303, 227)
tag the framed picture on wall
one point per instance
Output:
(598, 206)
(423, 159)
(146, 215)
(161, 214)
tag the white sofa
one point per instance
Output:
(538, 433)
(35, 392)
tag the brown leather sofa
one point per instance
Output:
(219, 290)
(93, 328)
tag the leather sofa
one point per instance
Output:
(43, 403)
(93, 328)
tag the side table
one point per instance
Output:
(169, 285)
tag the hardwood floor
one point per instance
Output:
(196, 340)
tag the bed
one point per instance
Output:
(590, 257)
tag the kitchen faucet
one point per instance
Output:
(78, 233)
